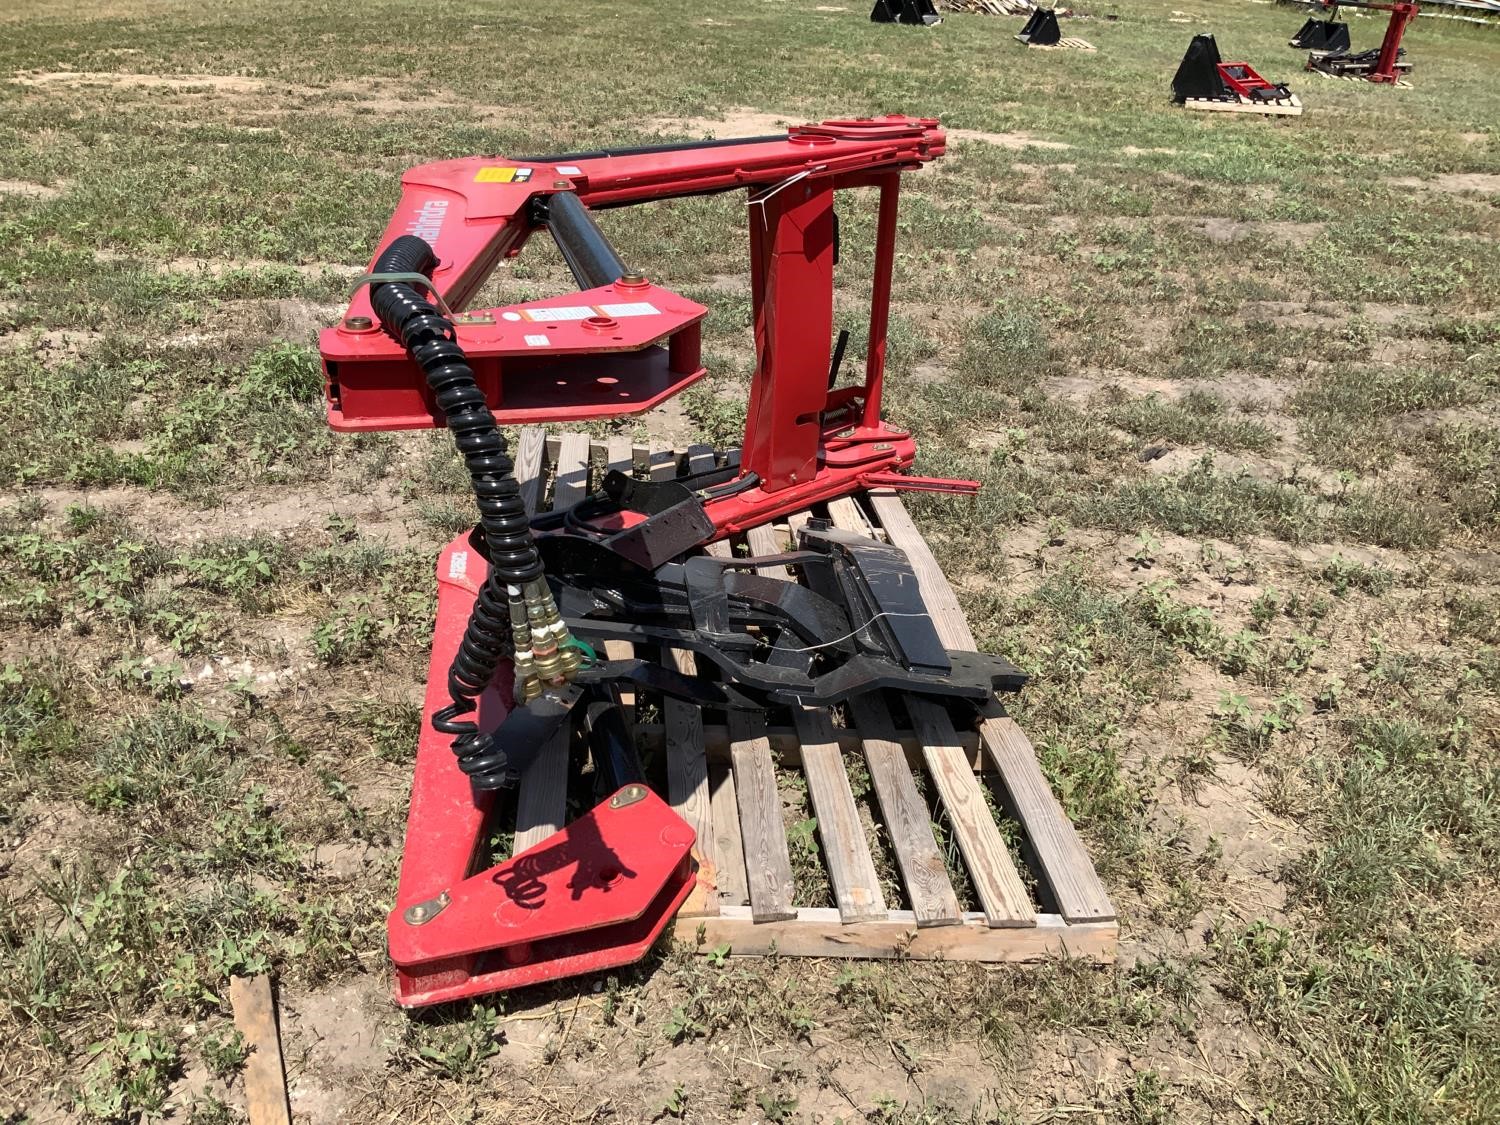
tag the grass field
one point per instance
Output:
(1232, 387)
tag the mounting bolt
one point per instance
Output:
(845, 433)
(633, 280)
(561, 184)
(425, 911)
(358, 323)
(628, 796)
(884, 447)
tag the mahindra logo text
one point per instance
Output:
(429, 220)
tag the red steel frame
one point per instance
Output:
(1402, 13)
(580, 357)
(598, 893)
(1242, 78)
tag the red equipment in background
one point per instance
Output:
(598, 893)
(1386, 66)
(1241, 78)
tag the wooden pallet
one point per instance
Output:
(723, 772)
(1067, 43)
(1399, 84)
(1283, 107)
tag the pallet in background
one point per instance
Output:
(1067, 43)
(1284, 107)
(723, 775)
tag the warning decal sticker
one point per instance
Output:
(635, 308)
(537, 342)
(561, 312)
(495, 174)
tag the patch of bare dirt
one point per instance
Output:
(1474, 417)
(225, 83)
(749, 122)
(737, 121)
(28, 190)
(380, 509)
(1183, 457)
(1005, 140)
(289, 318)
(1239, 387)
(57, 832)
(1040, 170)
(52, 345)
(1456, 183)
(219, 267)
(1233, 230)
(669, 425)
(1308, 313)
(334, 1040)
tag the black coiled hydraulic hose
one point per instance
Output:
(430, 339)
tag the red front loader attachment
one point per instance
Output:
(409, 352)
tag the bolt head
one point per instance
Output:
(358, 323)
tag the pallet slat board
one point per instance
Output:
(724, 775)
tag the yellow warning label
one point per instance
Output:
(495, 175)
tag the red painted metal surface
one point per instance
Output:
(583, 355)
(594, 896)
(1241, 78)
(1390, 46)
(624, 348)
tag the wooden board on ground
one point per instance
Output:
(265, 1074)
(1284, 107)
(768, 867)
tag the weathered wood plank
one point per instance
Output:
(923, 871)
(1002, 895)
(700, 459)
(768, 866)
(1065, 863)
(265, 1074)
(821, 933)
(529, 466)
(687, 786)
(571, 483)
(851, 870)
(729, 845)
